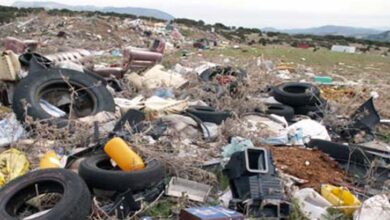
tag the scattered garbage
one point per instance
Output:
(145, 126)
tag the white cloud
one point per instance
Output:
(256, 13)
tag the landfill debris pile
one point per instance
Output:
(134, 121)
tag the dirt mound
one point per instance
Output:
(311, 165)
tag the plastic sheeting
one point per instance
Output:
(13, 163)
(300, 133)
(376, 207)
(10, 130)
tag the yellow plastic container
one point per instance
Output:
(50, 160)
(124, 157)
(340, 196)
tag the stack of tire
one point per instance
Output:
(304, 98)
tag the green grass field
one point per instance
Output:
(322, 60)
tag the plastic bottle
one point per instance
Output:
(123, 155)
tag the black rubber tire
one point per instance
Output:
(296, 94)
(210, 73)
(29, 88)
(305, 110)
(208, 114)
(317, 109)
(282, 110)
(116, 180)
(75, 203)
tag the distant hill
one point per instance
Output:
(384, 36)
(125, 10)
(331, 30)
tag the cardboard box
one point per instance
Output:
(210, 213)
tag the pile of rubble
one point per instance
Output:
(87, 140)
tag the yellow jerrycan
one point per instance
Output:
(126, 159)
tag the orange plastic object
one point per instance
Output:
(50, 160)
(123, 155)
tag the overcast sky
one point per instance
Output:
(265, 13)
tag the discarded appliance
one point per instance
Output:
(255, 184)
(178, 187)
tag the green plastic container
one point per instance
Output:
(323, 79)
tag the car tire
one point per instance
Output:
(282, 110)
(296, 94)
(75, 202)
(29, 89)
(208, 114)
(317, 109)
(92, 171)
